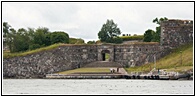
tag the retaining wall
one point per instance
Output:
(39, 64)
(68, 57)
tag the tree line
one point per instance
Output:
(30, 38)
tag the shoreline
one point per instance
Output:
(111, 76)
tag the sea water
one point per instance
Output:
(96, 87)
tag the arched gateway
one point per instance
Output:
(104, 51)
(105, 55)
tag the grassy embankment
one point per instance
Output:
(7, 54)
(87, 70)
(171, 62)
(129, 38)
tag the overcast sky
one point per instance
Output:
(85, 19)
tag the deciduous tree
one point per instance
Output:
(109, 32)
(148, 35)
(59, 37)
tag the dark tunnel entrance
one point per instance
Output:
(105, 55)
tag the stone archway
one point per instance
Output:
(105, 55)
(105, 50)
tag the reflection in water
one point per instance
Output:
(120, 86)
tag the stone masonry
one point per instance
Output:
(68, 57)
(36, 65)
(176, 32)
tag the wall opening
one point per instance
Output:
(105, 55)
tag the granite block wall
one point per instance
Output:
(176, 32)
(137, 54)
(39, 64)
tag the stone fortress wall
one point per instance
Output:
(68, 57)
(137, 54)
(36, 65)
(176, 32)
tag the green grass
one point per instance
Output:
(128, 38)
(86, 70)
(141, 43)
(76, 41)
(107, 56)
(171, 62)
(10, 55)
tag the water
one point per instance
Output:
(96, 86)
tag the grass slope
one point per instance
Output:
(86, 70)
(10, 55)
(129, 38)
(171, 62)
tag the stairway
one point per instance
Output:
(103, 64)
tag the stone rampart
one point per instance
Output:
(38, 64)
(173, 34)
(137, 54)
(176, 32)
(68, 57)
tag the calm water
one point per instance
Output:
(117, 86)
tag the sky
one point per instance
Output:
(85, 19)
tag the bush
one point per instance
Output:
(59, 37)
(34, 46)
(117, 40)
(91, 42)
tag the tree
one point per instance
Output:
(6, 28)
(148, 35)
(156, 36)
(59, 37)
(18, 40)
(11, 37)
(6, 34)
(109, 32)
(117, 40)
(22, 39)
(48, 39)
(40, 36)
(20, 43)
(158, 21)
(30, 33)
